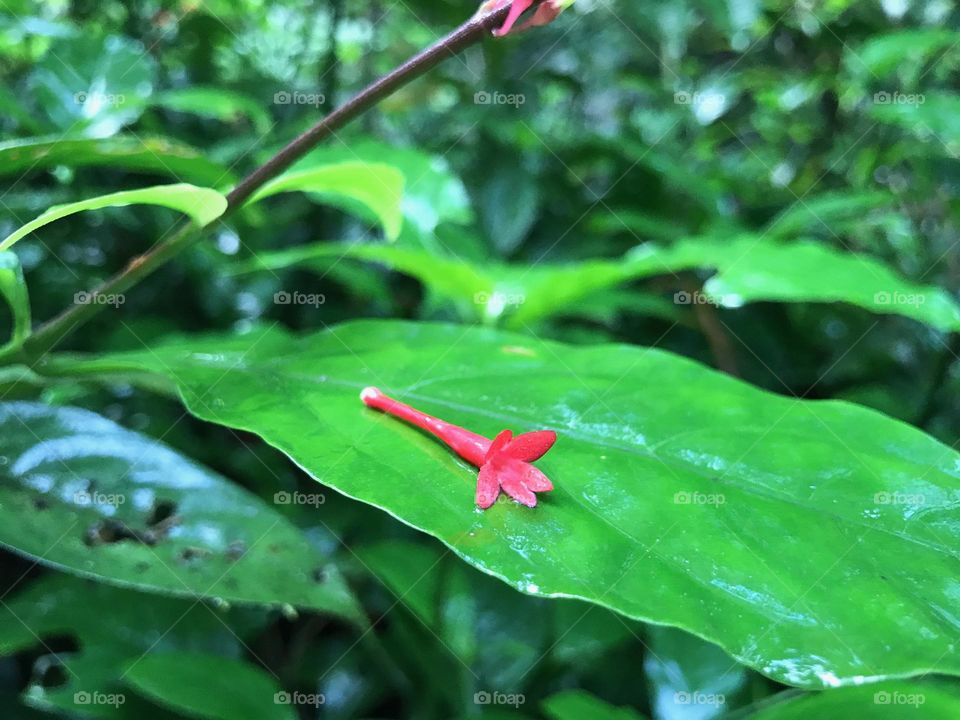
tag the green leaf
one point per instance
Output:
(93, 84)
(13, 288)
(885, 701)
(883, 54)
(202, 205)
(378, 187)
(933, 118)
(432, 193)
(768, 525)
(224, 105)
(154, 155)
(577, 704)
(209, 686)
(830, 214)
(689, 678)
(749, 269)
(59, 605)
(82, 494)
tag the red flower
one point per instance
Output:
(546, 12)
(504, 462)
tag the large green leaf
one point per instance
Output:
(768, 525)
(748, 269)
(202, 205)
(160, 156)
(81, 493)
(377, 186)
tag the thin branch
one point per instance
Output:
(54, 331)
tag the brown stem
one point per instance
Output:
(55, 330)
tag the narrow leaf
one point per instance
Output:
(202, 205)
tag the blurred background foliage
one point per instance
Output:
(624, 122)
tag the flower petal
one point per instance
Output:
(532, 445)
(518, 8)
(501, 440)
(488, 486)
(511, 480)
(536, 480)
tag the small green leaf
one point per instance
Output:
(92, 83)
(689, 677)
(102, 619)
(13, 288)
(578, 704)
(156, 155)
(81, 493)
(224, 105)
(209, 686)
(900, 700)
(748, 269)
(378, 187)
(882, 54)
(202, 205)
(684, 497)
